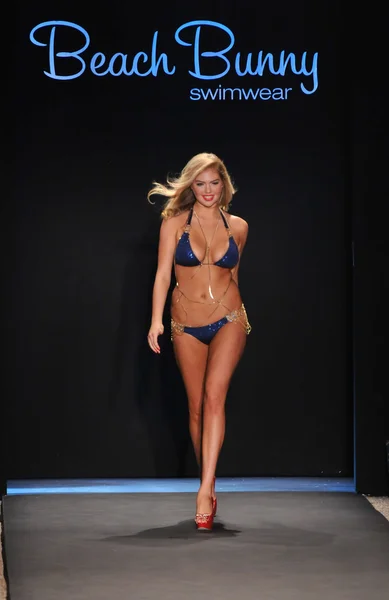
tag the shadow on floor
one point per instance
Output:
(184, 530)
(272, 535)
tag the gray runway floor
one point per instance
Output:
(270, 546)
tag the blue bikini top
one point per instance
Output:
(185, 256)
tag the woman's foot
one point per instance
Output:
(204, 502)
(204, 522)
(204, 511)
(213, 496)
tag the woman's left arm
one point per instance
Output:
(241, 228)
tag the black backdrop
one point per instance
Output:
(88, 397)
(369, 183)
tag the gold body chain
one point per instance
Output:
(238, 315)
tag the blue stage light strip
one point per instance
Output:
(133, 486)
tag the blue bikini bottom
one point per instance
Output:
(206, 333)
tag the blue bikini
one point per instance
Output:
(185, 257)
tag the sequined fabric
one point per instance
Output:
(206, 333)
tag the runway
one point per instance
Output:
(271, 540)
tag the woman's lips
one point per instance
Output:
(208, 197)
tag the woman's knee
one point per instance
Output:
(214, 398)
(195, 412)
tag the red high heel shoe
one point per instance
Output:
(204, 521)
(214, 506)
(214, 502)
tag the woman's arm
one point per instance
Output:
(166, 248)
(242, 229)
(167, 244)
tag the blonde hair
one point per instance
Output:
(178, 190)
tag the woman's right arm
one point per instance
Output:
(166, 249)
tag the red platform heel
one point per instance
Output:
(204, 521)
(214, 502)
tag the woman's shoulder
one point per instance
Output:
(175, 222)
(237, 223)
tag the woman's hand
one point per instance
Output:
(155, 330)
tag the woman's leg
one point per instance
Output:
(225, 350)
(191, 356)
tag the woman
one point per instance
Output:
(208, 320)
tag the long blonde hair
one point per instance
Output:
(178, 190)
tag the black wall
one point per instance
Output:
(368, 174)
(86, 397)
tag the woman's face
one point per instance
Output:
(208, 187)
